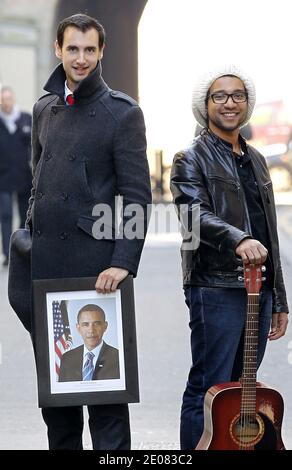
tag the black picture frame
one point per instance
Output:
(50, 323)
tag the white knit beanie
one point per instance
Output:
(204, 83)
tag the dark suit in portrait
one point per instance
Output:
(107, 365)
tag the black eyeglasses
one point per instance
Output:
(222, 98)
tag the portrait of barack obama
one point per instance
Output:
(95, 359)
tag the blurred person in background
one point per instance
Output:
(15, 171)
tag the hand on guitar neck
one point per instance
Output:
(253, 252)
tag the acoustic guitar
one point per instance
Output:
(244, 415)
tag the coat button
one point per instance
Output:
(64, 236)
(39, 195)
(48, 156)
(54, 110)
(38, 233)
(92, 113)
(72, 157)
(64, 196)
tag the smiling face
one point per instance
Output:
(91, 326)
(225, 119)
(79, 54)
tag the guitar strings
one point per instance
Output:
(250, 383)
(248, 402)
(248, 415)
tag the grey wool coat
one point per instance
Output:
(83, 155)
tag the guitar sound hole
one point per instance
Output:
(247, 430)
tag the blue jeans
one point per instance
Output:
(217, 319)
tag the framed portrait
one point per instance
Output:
(85, 343)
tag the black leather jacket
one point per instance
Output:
(205, 174)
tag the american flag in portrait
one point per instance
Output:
(62, 334)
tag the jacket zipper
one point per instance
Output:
(267, 219)
(266, 186)
(243, 194)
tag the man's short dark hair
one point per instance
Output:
(83, 23)
(91, 308)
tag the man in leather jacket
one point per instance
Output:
(229, 182)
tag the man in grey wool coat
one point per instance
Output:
(88, 147)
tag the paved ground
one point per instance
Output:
(164, 356)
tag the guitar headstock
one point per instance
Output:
(253, 277)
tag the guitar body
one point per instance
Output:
(223, 428)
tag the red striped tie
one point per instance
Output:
(70, 100)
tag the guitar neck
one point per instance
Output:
(248, 380)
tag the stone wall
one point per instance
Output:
(26, 46)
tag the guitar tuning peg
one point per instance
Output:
(264, 269)
(240, 268)
(240, 278)
(264, 278)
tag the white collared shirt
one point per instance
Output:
(67, 92)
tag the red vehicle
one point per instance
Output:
(272, 135)
(271, 123)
